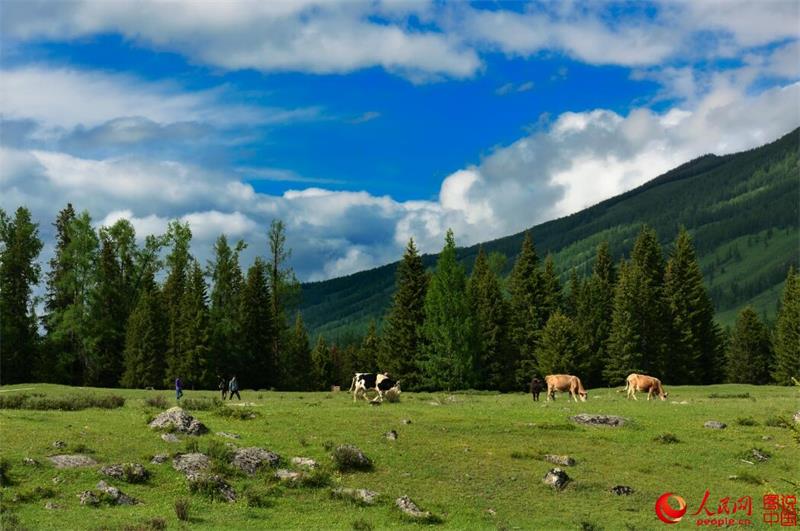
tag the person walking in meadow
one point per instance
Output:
(233, 387)
(178, 388)
(223, 387)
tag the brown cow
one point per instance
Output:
(640, 382)
(564, 383)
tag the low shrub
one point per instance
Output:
(313, 479)
(135, 474)
(34, 494)
(5, 468)
(523, 455)
(182, 509)
(747, 477)
(361, 525)
(239, 413)
(557, 427)
(201, 404)
(219, 451)
(260, 497)
(158, 401)
(778, 422)
(746, 421)
(191, 446)
(349, 457)
(62, 403)
(80, 448)
(667, 438)
(730, 395)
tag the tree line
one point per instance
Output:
(117, 313)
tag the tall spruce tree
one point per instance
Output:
(194, 363)
(296, 359)
(283, 285)
(71, 325)
(787, 332)
(594, 306)
(525, 289)
(490, 310)
(401, 342)
(749, 354)
(367, 353)
(694, 336)
(321, 366)
(450, 358)
(225, 311)
(57, 348)
(552, 298)
(178, 261)
(146, 339)
(19, 273)
(257, 327)
(627, 342)
(648, 257)
(558, 351)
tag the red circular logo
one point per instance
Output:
(666, 513)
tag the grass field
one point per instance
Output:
(471, 459)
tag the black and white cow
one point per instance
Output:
(368, 381)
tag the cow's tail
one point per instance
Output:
(353, 384)
(624, 389)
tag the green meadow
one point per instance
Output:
(472, 459)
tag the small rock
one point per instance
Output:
(391, 435)
(362, 496)
(88, 497)
(178, 419)
(406, 421)
(410, 508)
(758, 455)
(117, 496)
(57, 480)
(556, 478)
(72, 461)
(287, 475)
(51, 506)
(229, 435)
(796, 418)
(715, 425)
(599, 420)
(622, 490)
(130, 472)
(766, 437)
(305, 462)
(563, 460)
(29, 461)
(491, 512)
(191, 463)
(59, 444)
(249, 460)
(159, 459)
(170, 438)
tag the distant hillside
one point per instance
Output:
(741, 209)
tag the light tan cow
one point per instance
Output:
(564, 383)
(641, 383)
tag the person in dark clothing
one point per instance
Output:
(223, 387)
(233, 388)
(178, 388)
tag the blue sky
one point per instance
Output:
(362, 124)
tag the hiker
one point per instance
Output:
(233, 387)
(223, 387)
(178, 388)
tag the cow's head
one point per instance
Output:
(663, 395)
(582, 395)
(396, 387)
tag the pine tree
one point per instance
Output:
(558, 349)
(194, 365)
(225, 317)
(491, 318)
(53, 366)
(283, 285)
(19, 273)
(749, 355)
(179, 259)
(145, 340)
(367, 354)
(257, 327)
(71, 325)
(525, 317)
(401, 343)
(594, 308)
(787, 332)
(296, 359)
(321, 365)
(449, 330)
(694, 336)
(551, 300)
(627, 343)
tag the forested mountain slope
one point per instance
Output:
(741, 209)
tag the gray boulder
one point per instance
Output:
(360, 496)
(130, 472)
(250, 460)
(159, 459)
(612, 421)
(88, 497)
(191, 463)
(556, 478)
(177, 419)
(622, 490)
(212, 485)
(410, 509)
(72, 461)
(563, 460)
(715, 425)
(115, 495)
(170, 438)
(304, 462)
